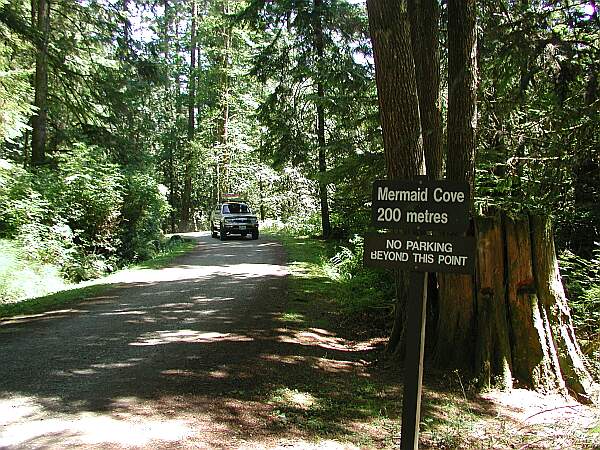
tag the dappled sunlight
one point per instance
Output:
(326, 340)
(284, 359)
(57, 314)
(293, 398)
(173, 358)
(30, 428)
(187, 336)
(336, 366)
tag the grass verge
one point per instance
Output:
(71, 294)
(365, 410)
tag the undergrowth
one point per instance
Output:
(334, 269)
(29, 286)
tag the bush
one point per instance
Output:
(364, 288)
(21, 277)
(86, 192)
(144, 209)
(81, 213)
(581, 278)
(299, 225)
(20, 202)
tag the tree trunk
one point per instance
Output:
(462, 90)
(557, 317)
(424, 20)
(225, 157)
(187, 209)
(169, 141)
(396, 88)
(325, 223)
(456, 306)
(389, 28)
(39, 121)
(493, 360)
(533, 362)
(524, 331)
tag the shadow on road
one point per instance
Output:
(201, 353)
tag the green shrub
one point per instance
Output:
(86, 192)
(20, 202)
(581, 278)
(364, 288)
(144, 209)
(22, 277)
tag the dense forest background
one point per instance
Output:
(123, 120)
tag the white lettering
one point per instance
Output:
(439, 195)
(384, 193)
(452, 260)
(426, 217)
(393, 243)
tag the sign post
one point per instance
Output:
(418, 206)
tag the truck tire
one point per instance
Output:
(255, 235)
(222, 233)
(213, 231)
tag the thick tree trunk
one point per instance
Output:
(396, 88)
(524, 333)
(325, 223)
(39, 121)
(456, 306)
(389, 27)
(493, 360)
(556, 315)
(534, 363)
(462, 90)
(424, 21)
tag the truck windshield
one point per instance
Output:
(235, 208)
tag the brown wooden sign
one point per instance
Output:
(416, 206)
(421, 205)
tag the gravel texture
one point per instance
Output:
(162, 359)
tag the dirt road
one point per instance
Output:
(170, 358)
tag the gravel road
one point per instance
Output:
(162, 359)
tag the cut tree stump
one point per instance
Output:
(514, 327)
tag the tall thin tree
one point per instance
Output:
(321, 143)
(39, 121)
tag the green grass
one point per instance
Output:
(50, 302)
(170, 252)
(66, 295)
(22, 278)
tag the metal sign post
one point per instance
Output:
(417, 206)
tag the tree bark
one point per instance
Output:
(533, 359)
(186, 198)
(524, 332)
(462, 90)
(456, 320)
(557, 317)
(319, 50)
(396, 88)
(39, 121)
(389, 28)
(224, 159)
(169, 141)
(424, 20)
(493, 357)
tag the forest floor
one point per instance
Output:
(216, 351)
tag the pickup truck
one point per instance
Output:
(233, 217)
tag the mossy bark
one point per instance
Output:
(493, 353)
(567, 355)
(515, 329)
